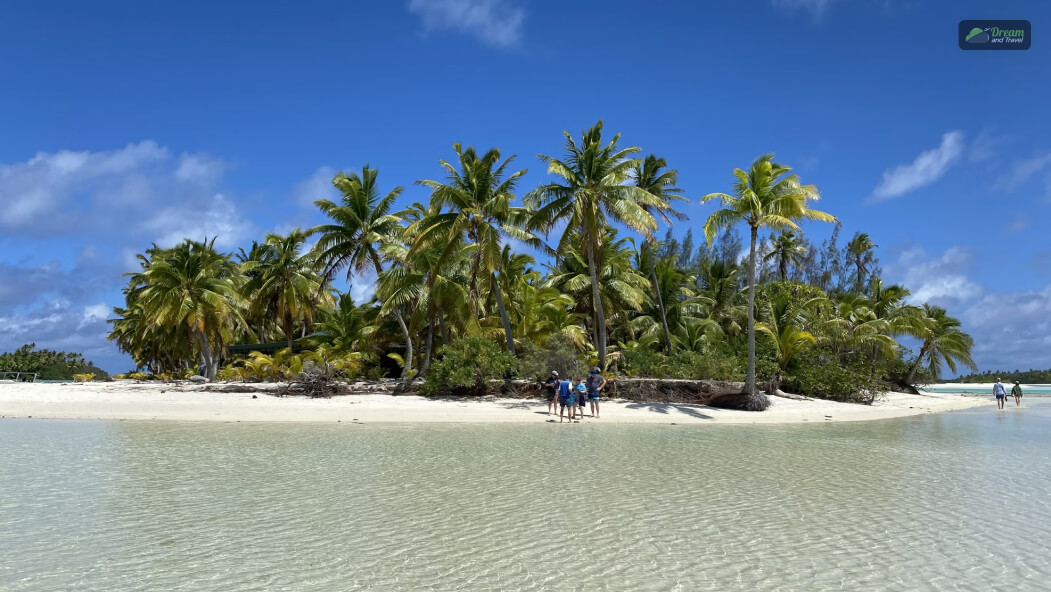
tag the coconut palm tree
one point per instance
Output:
(285, 282)
(478, 193)
(766, 196)
(193, 289)
(943, 344)
(788, 249)
(784, 321)
(591, 191)
(652, 175)
(361, 224)
(860, 248)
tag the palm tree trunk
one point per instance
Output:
(206, 356)
(749, 380)
(404, 331)
(916, 365)
(428, 347)
(503, 314)
(784, 268)
(600, 314)
(660, 301)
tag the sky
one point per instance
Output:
(124, 124)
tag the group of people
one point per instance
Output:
(568, 398)
(1001, 394)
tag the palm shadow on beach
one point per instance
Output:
(691, 410)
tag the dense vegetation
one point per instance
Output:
(1023, 376)
(457, 300)
(48, 364)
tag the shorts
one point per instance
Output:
(565, 401)
(551, 395)
(593, 397)
(1000, 396)
(581, 399)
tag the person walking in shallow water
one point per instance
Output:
(1000, 392)
(1016, 390)
(594, 384)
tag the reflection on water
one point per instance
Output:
(938, 502)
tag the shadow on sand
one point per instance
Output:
(691, 410)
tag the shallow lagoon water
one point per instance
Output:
(953, 501)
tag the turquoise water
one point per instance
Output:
(1027, 389)
(954, 501)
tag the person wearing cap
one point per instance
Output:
(1000, 392)
(552, 387)
(1016, 390)
(595, 383)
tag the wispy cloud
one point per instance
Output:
(815, 7)
(1023, 170)
(494, 22)
(926, 169)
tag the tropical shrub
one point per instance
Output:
(821, 375)
(468, 365)
(83, 377)
(712, 365)
(558, 354)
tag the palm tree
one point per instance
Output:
(860, 249)
(285, 282)
(591, 191)
(943, 343)
(652, 175)
(784, 320)
(766, 196)
(788, 249)
(479, 199)
(193, 289)
(361, 224)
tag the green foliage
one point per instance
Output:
(559, 354)
(713, 365)
(468, 365)
(49, 364)
(822, 375)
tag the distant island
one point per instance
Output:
(1023, 376)
(48, 364)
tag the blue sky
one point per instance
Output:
(125, 123)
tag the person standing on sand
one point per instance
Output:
(1016, 390)
(581, 395)
(595, 383)
(552, 395)
(565, 400)
(1001, 394)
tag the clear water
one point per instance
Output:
(1027, 389)
(955, 501)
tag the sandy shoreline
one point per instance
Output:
(148, 401)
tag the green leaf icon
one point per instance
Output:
(974, 31)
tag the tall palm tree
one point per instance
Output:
(193, 289)
(860, 249)
(361, 223)
(591, 191)
(652, 175)
(766, 196)
(285, 281)
(784, 321)
(478, 196)
(788, 249)
(943, 343)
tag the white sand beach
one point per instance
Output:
(190, 402)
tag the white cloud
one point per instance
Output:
(1012, 330)
(926, 169)
(363, 288)
(940, 280)
(494, 22)
(60, 326)
(316, 186)
(815, 7)
(217, 217)
(1023, 170)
